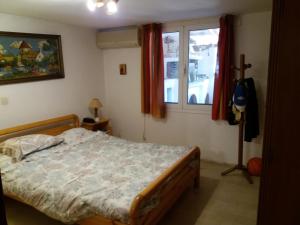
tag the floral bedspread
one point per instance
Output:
(100, 175)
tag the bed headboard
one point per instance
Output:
(53, 126)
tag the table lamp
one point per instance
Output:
(95, 105)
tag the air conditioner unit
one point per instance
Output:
(122, 38)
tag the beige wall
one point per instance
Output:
(217, 140)
(45, 99)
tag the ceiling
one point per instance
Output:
(131, 12)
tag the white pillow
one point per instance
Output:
(76, 135)
(20, 147)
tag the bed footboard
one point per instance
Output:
(151, 204)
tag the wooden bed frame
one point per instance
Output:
(163, 191)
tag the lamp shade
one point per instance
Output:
(95, 103)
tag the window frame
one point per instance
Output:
(184, 28)
(186, 106)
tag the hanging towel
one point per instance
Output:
(251, 117)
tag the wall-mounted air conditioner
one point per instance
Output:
(121, 38)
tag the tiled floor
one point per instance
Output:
(220, 200)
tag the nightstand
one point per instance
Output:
(103, 125)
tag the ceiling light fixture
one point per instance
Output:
(111, 5)
(99, 3)
(90, 4)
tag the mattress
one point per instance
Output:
(98, 175)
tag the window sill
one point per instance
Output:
(203, 109)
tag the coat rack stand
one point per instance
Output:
(240, 165)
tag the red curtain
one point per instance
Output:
(153, 71)
(224, 74)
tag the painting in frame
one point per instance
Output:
(26, 57)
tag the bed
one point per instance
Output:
(138, 182)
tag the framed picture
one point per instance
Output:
(28, 57)
(123, 69)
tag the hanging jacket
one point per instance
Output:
(251, 116)
(232, 120)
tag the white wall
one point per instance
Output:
(217, 140)
(46, 99)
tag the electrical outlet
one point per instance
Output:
(3, 101)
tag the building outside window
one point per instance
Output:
(171, 66)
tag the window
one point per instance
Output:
(192, 85)
(203, 46)
(171, 66)
(170, 95)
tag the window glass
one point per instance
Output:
(171, 66)
(202, 60)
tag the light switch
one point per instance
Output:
(3, 101)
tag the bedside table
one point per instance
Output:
(103, 125)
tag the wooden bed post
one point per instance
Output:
(197, 178)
